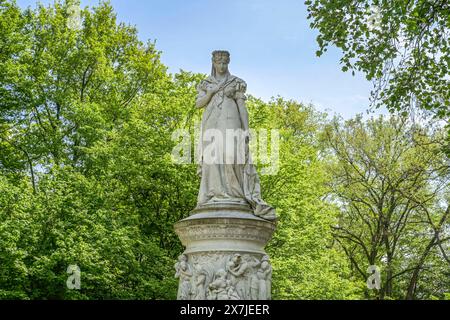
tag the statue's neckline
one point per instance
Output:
(223, 80)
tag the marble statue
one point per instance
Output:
(221, 288)
(225, 166)
(264, 275)
(200, 281)
(238, 270)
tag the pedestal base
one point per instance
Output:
(224, 257)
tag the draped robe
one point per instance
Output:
(225, 166)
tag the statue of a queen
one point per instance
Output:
(225, 166)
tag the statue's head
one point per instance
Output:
(220, 61)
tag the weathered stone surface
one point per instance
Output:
(224, 257)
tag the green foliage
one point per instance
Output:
(87, 175)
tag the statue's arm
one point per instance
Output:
(186, 272)
(240, 271)
(241, 87)
(243, 113)
(230, 270)
(203, 99)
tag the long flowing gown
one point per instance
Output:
(231, 176)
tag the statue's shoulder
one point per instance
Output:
(241, 85)
(209, 79)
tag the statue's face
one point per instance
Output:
(221, 66)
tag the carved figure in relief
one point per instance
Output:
(185, 274)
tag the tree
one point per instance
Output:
(403, 46)
(390, 180)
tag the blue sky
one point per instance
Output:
(272, 47)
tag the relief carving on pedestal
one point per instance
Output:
(224, 276)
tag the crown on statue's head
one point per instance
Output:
(221, 54)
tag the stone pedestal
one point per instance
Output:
(224, 257)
